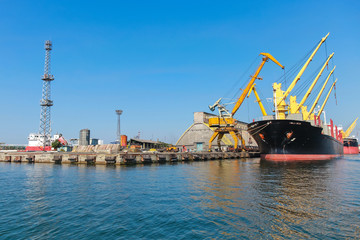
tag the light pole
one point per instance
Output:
(118, 113)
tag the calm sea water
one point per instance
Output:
(232, 199)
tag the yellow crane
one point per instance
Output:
(294, 107)
(326, 99)
(225, 123)
(349, 130)
(308, 114)
(258, 100)
(280, 95)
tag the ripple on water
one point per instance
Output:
(212, 200)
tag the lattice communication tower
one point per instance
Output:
(46, 102)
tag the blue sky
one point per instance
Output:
(160, 61)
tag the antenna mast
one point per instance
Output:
(46, 102)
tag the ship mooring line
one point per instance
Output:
(261, 127)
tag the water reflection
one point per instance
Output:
(294, 195)
(226, 196)
(225, 199)
(37, 201)
(291, 200)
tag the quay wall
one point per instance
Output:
(118, 158)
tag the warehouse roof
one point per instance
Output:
(143, 141)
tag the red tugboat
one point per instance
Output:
(295, 133)
(351, 145)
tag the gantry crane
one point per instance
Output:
(225, 122)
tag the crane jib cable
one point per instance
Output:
(299, 63)
(243, 85)
(308, 81)
(239, 80)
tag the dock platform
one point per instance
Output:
(119, 158)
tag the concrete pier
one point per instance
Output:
(118, 158)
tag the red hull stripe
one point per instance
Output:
(351, 150)
(37, 148)
(298, 157)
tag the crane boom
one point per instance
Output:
(313, 84)
(226, 124)
(350, 129)
(298, 76)
(327, 97)
(240, 100)
(319, 95)
(258, 100)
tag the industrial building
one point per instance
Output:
(85, 139)
(197, 136)
(145, 144)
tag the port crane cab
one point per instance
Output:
(225, 123)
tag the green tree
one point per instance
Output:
(56, 144)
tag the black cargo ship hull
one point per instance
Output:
(289, 140)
